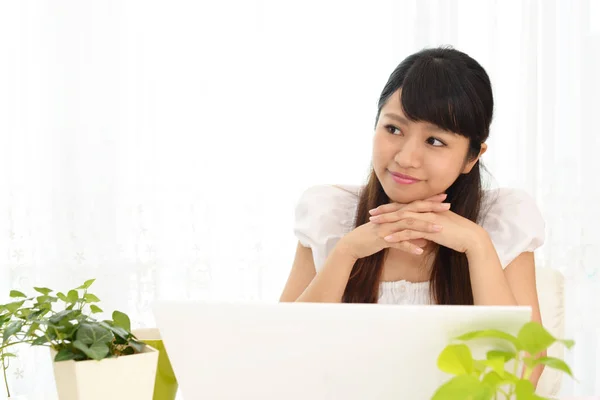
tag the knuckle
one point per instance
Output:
(431, 217)
(410, 221)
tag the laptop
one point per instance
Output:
(302, 351)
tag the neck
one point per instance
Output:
(399, 265)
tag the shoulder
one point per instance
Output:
(324, 211)
(514, 222)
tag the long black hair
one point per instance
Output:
(447, 88)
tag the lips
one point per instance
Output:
(403, 179)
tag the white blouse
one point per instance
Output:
(325, 213)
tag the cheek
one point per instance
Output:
(381, 150)
(443, 170)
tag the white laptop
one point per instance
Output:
(308, 351)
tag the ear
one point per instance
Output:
(469, 165)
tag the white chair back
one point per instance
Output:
(550, 288)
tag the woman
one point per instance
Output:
(422, 230)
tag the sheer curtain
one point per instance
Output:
(160, 147)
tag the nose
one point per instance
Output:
(410, 154)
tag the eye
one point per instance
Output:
(435, 142)
(391, 129)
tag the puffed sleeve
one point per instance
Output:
(323, 215)
(514, 223)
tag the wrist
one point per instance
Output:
(479, 243)
(342, 249)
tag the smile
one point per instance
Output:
(403, 179)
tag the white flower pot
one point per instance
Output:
(122, 378)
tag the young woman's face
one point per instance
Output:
(416, 160)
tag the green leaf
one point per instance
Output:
(526, 391)
(64, 355)
(87, 284)
(127, 351)
(11, 329)
(95, 309)
(555, 363)
(34, 327)
(456, 359)
(91, 298)
(506, 355)
(14, 306)
(496, 364)
(40, 341)
(491, 334)
(137, 346)
(121, 335)
(66, 329)
(23, 313)
(16, 293)
(567, 343)
(492, 379)
(122, 320)
(89, 334)
(534, 338)
(96, 351)
(62, 296)
(463, 387)
(44, 291)
(479, 367)
(51, 333)
(7, 355)
(508, 377)
(72, 296)
(65, 315)
(43, 299)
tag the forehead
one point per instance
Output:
(393, 103)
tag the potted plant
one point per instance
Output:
(7, 341)
(497, 376)
(87, 353)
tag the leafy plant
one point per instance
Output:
(71, 331)
(489, 379)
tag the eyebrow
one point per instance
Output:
(402, 120)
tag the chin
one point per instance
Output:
(405, 194)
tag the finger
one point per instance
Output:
(420, 242)
(413, 224)
(386, 208)
(390, 207)
(407, 247)
(418, 207)
(427, 206)
(429, 216)
(406, 235)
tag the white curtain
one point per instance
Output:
(160, 147)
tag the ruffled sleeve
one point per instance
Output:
(514, 223)
(323, 215)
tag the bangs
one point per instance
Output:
(434, 91)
